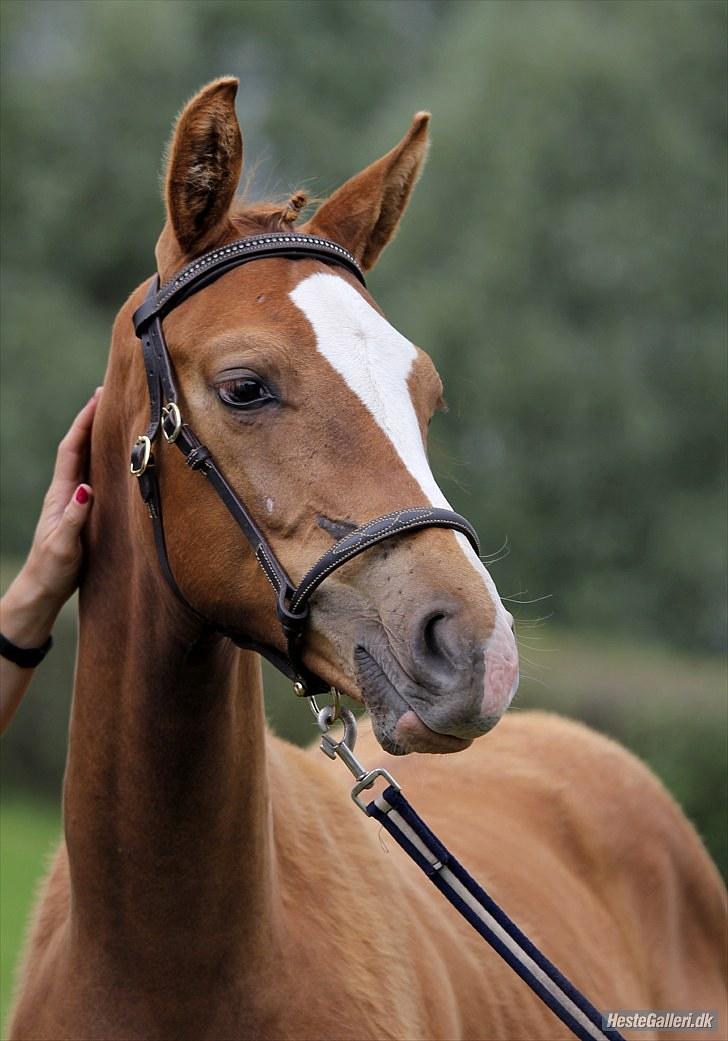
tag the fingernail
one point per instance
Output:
(81, 495)
(98, 391)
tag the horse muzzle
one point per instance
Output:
(440, 689)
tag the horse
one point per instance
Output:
(215, 882)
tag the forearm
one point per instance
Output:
(27, 614)
(28, 611)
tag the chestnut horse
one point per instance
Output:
(215, 882)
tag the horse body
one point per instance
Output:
(346, 939)
(216, 882)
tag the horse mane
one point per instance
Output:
(266, 216)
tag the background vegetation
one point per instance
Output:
(563, 260)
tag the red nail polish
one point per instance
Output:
(81, 495)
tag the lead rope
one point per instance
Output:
(394, 813)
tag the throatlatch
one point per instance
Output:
(166, 416)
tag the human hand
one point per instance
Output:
(55, 556)
(50, 573)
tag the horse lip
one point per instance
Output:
(388, 704)
(389, 677)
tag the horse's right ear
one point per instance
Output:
(203, 169)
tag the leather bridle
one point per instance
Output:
(166, 417)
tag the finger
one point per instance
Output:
(73, 449)
(76, 512)
(58, 559)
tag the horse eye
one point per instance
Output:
(245, 392)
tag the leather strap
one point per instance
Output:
(292, 603)
(205, 269)
(374, 531)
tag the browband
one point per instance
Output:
(292, 602)
(205, 269)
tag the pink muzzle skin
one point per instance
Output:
(501, 669)
(422, 731)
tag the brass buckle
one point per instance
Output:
(171, 412)
(141, 442)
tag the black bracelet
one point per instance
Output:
(25, 657)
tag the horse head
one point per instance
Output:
(316, 410)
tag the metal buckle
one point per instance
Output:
(171, 412)
(367, 781)
(145, 444)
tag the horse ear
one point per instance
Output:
(204, 165)
(364, 213)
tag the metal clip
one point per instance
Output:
(344, 750)
(332, 711)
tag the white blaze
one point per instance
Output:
(375, 361)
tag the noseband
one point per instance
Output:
(166, 417)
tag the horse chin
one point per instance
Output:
(397, 727)
(412, 735)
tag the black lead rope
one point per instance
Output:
(479, 909)
(292, 602)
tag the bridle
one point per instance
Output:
(166, 417)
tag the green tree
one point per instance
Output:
(565, 263)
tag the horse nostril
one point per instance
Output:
(435, 644)
(430, 634)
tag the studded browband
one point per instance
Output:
(165, 416)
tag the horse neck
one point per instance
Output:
(167, 815)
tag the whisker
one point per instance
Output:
(536, 664)
(534, 622)
(535, 679)
(500, 554)
(535, 600)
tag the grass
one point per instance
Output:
(29, 830)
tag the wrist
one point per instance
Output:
(27, 611)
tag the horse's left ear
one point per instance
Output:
(364, 213)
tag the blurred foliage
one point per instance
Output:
(563, 261)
